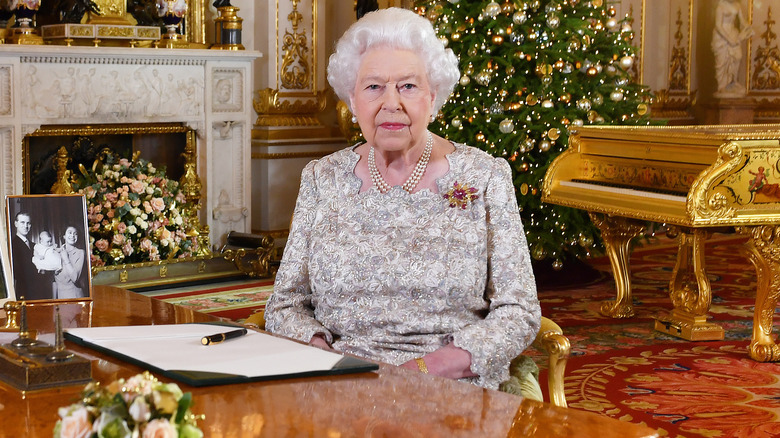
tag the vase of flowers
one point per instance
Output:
(140, 406)
(135, 213)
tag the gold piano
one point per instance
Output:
(696, 179)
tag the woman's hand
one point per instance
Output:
(448, 361)
(320, 342)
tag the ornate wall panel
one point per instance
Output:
(6, 95)
(764, 56)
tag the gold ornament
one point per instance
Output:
(523, 189)
(553, 134)
(524, 167)
(498, 40)
(480, 137)
(641, 109)
(531, 100)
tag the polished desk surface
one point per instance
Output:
(391, 402)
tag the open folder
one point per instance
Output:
(176, 351)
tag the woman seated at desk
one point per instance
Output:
(406, 249)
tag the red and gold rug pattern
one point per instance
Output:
(234, 300)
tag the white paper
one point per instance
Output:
(178, 347)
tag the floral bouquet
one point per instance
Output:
(138, 407)
(135, 213)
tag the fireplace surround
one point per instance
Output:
(206, 91)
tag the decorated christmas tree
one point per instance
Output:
(533, 71)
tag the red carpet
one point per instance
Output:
(626, 370)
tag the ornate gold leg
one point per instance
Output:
(690, 292)
(764, 253)
(617, 233)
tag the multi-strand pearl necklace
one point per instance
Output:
(414, 178)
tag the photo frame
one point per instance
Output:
(6, 285)
(49, 249)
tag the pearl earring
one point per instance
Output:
(354, 119)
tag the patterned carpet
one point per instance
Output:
(234, 300)
(626, 370)
(623, 368)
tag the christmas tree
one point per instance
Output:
(532, 72)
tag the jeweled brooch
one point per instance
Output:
(460, 195)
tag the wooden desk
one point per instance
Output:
(391, 402)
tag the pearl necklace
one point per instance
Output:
(414, 178)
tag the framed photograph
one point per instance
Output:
(6, 289)
(49, 247)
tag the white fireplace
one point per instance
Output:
(208, 91)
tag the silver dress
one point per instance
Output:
(391, 277)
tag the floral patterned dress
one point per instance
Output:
(393, 276)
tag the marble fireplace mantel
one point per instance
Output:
(209, 91)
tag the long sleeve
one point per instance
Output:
(514, 313)
(289, 311)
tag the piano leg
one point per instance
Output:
(690, 292)
(617, 233)
(764, 253)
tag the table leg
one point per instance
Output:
(690, 292)
(764, 253)
(617, 233)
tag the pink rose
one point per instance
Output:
(76, 425)
(159, 428)
(118, 239)
(158, 204)
(127, 248)
(146, 244)
(137, 187)
(102, 245)
(121, 227)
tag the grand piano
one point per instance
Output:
(696, 180)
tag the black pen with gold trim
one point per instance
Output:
(221, 337)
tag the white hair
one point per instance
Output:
(399, 29)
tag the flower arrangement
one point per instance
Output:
(140, 406)
(135, 213)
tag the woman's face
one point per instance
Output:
(71, 236)
(392, 99)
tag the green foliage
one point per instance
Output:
(533, 71)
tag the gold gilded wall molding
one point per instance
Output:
(678, 67)
(766, 74)
(295, 72)
(274, 111)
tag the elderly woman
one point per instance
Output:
(406, 249)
